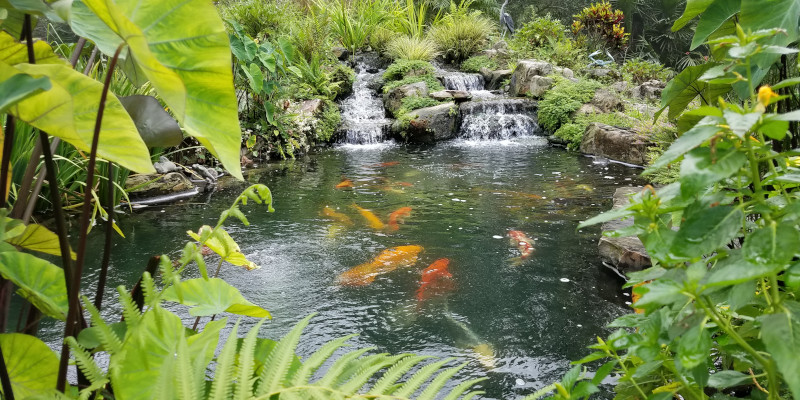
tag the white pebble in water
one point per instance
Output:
(579, 326)
(456, 200)
(564, 280)
(608, 177)
(497, 237)
(450, 194)
(520, 382)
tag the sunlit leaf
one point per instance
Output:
(713, 17)
(213, 296)
(13, 52)
(32, 366)
(38, 281)
(38, 238)
(19, 87)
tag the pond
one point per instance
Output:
(518, 321)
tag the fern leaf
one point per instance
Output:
(394, 373)
(188, 382)
(244, 388)
(438, 383)
(111, 342)
(368, 371)
(302, 376)
(419, 378)
(463, 387)
(149, 289)
(164, 386)
(130, 312)
(356, 366)
(279, 360)
(87, 365)
(224, 372)
(541, 392)
(334, 374)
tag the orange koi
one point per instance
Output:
(339, 217)
(387, 164)
(404, 184)
(373, 221)
(635, 296)
(436, 280)
(398, 217)
(347, 183)
(387, 261)
(523, 243)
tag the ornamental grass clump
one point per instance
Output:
(411, 48)
(461, 33)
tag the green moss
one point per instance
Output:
(416, 102)
(475, 64)
(562, 100)
(404, 68)
(572, 133)
(328, 122)
(433, 83)
(345, 77)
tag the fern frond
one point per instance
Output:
(463, 387)
(149, 289)
(419, 378)
(226, 368)
(438, 383)
(334, 374)
(244, 387)
(367, 371)
(394, 373)
(189, 380)
(130, 311)
(87, 365)
(110, 341)
(279, 360)
(316, 360)
(541, 392)
(356, 366)
(164, 386)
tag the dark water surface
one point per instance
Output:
(465, 197)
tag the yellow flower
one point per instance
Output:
(765, 94)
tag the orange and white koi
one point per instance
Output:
(387, 261)
(523, 243)
(373, 220)
(337, 216)
(436, 280)
(398, 217)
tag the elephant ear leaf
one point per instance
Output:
(32, 366)
(19, 87)
(156, 126)
(195, 82)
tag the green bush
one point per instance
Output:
(261, 18)
(415, 102)
(565, 53)
(638, 70)
(572, 133)
(461, 34)
(404, 68)
(328, 122)
(344, 77)
(310, 36)
(542, 31)
(380, 38)
(475, 64)
(562, 100)
(433, 83)
(411, 48)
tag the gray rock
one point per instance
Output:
(393, 100)
(210, 174)
(603, 74)
(431, 124)
(626, 254)
(524, 73)
(607, 101)
(446, 95)
(557, 141)
(494, 79)
(588, 109)
(565, 72)
(615, 143)
(141, 185)
(620, 87)
(650, 90)
(341, 53)
(311, 107)
(164, 166)
(539, 85)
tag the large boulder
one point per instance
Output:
(448, 95)
(607, 101)
(524, 74)
(430, 124)
(149, 185)
(625, 254)
(650, 90)
(615, 143)
(393, 100)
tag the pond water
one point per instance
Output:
(533, 315)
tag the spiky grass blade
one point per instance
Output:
(245, 381)
(463, 387)
(438, 383)
(111, 342)
(368, 371)
(419, 378)
(394, 373)
(222, 385)
(316, 360)
(334, 374)
(279, 360)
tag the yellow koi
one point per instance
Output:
(387, 261)
(373, 221)
(337, 216)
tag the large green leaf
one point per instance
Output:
(12, 52)
(774, 244)
(713, 18)
(688, 141)
(39, 282)
(69, 109)
(735, 270)
(38, 238)
(213, 296)
(32, 366)
(86, 24)
(156, 126)
(700, 168)
(685, 87)
(692, 10)
(707, 229)
(19, 87)
(183, 49)
(781, 335)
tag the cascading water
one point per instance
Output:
(363, 115)
(472, 83)
(498, 119)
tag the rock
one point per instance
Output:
(650, 90)
(565, 72)
(491, 53)
(311, 107)
(615, 143)
(602, 74)
(376, 83)
(393, 100)
(500, 45)
(207, 173)
(620, 87)
(431, 124)
(607, 101)
(341, 53)
(524, 73)
(588, 109)
(494, 79)
(164, 166)
(446, 95)
(557, 141)
(539, 85)
(141, 185)
(626, 254)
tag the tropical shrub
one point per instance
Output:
(566, 97)
(462, 32)
(602, 25)
(411, 48)
(261, 19)
(565, 53)
(638, 70)
(541, 31)
(572, 131)
(477, 63)
(404, 68)
(380, 38)
(310, 35)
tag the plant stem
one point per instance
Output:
(8, 393)
(8, 143)
(101, 283)
(76, 53)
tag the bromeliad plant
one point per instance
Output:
(718, 313)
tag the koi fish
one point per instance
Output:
(635, 296)
(404, 184)
(436, 280)
(337, 216)
(387, 164)
(347, 183)
(523, 243)
(373, 221)
(398, 217)
(387, 261)
(485, 355)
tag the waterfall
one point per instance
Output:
(498, 119)
(363, 115)
(462, 81)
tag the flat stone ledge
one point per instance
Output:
(625, 254)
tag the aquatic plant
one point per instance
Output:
(411, 48)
